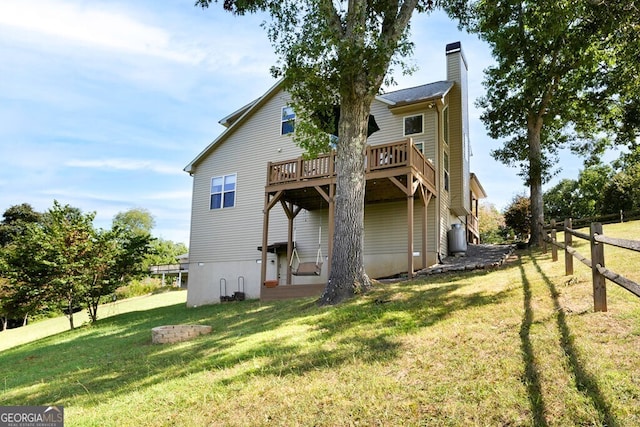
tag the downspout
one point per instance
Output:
(439, 187)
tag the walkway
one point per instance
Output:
(477, 257)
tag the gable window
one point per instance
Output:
(446, 170)
(288, 121)
(223, 192)
(413, 125)
(445, 124)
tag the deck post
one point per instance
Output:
(568, 241)
(290, 244)
(409, 228)
(265, 238)
(425, 204)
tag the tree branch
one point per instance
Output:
(334, 22)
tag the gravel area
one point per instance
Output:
(476, 257)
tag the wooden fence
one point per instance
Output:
(597, 265)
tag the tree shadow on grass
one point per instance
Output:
(115, 356)
(585, 382)
(531, 374)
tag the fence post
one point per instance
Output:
(543, 237)
(554, 248)
(568, 241)
(599, 281)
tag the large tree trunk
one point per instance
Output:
(535, 179)
(348, 276)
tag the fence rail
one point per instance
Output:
(597, 262)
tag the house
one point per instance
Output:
(178, 273)
(262, 215)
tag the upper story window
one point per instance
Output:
(446, 170)
(445, 124)
(223, 191)
(413, 125)
(288, 121)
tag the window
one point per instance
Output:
(288, 121)
(446, 170)
(445, 124)
(419, 146)
(223, 192)
(413, 125)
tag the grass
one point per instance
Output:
(45, 328)
(520, 345)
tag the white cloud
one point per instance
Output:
(127, 165)
(92, 25)
(171, 195)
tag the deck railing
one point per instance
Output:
(168, 268)
(472, 224)
(377, 157)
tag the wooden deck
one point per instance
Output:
(395, 161)
(473, 229)
(396, 171)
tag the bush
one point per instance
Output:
(517, 216)
(139, 287)
(492, 226)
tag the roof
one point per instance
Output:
(416, 94)
(476, 187)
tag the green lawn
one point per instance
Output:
(520, 345)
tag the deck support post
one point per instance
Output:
(426, 198)
(265, 238)
(409, 229)
(292, 212)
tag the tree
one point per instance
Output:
(591, 182)
(117, 255)
(546, 90)
(561, 201)
(622, 192)
(28, 274)
(164, 252)
(14, 219)
(517, 216)
(137, 221)
(67, 251)
(492, 224)
(337, 53)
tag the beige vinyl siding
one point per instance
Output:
(385, 229)
(307, 226)
(390, 125)
(458, 126)
(233, 234)
(443, 201)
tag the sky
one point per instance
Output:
(104, 102)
